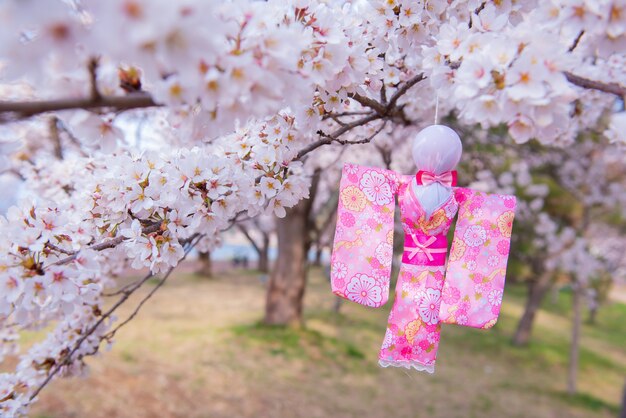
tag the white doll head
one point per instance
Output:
(437, 149)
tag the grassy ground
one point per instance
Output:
(196, 350)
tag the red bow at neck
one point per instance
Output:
(426, 178)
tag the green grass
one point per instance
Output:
(298, 343)
(610, 325)
(547, 353)
(587, 401)
(200, 340)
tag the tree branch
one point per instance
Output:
(611, 88)
(245, 232)
(12, 110)
(329, 138)
(67, 358)
(403, 89)
(107, 244)
(367, 102)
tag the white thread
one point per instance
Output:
(437, 108)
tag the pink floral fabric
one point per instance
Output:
(363, 246)
(413, 328)
(478, 257)
(426, 294)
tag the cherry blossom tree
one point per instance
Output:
(228, 102)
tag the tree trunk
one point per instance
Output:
(536, 292)
(593, 313)
(318, 256)
(288, 277)
(623, 413)
(575, 343)
(264, 254)
(337, 304)
(206, 265)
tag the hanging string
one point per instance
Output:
(437, 109)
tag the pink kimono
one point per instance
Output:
(468, 292)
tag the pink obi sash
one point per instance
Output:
(425, 250)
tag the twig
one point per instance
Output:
(339, 122)
(327, 139)
(93, 79)
(71, 137)
(576, 41)
(161, 282)
(123, 289)
(59, 249)
(342, 114)
(53, 127)
(364, 140)
(67, 358)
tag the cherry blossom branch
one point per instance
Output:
(381, 111)
(67, 358)
(403, 89)
(611, 88)
(11, 110)
(386, 109)
(364, 140)
(330, 138)
(371, 103)
(343, 114)
(107, 244)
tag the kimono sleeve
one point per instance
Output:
(363, 245)
(472, 292)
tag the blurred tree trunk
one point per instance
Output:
(575, 343)
(262, 249)
(206, 265)
(593, 313)
(337, 304)
(318, 233)
(536, 291)
(318, 257)
(288, 277)
(623, 413)
(287, 283)
(264, 254)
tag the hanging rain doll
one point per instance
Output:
(468, 291)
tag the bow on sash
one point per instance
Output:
(423, 248)
(447, 178)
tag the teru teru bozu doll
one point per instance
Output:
(467, 292)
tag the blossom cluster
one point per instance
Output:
(243, 86)
(565, 195)
(153, 203)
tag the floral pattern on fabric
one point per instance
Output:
(353, 198)
(480, 253)
(413, 326)
(362, 250)
(364, 290)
